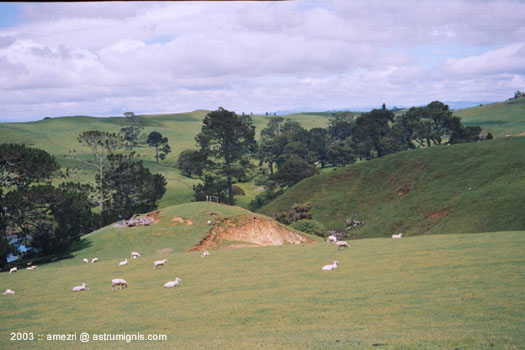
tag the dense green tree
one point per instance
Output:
(293, 170)
(440, 117)
(134, 189)
(373, 128)
(20, 168)
(226, 139)
(465, 134)
(318, 145)
(340, 153)
(191, 162)
(155, 139)
(273, 128)
(340, 126)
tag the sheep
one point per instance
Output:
(342, 244)
(79, 288)
(331, 238)
(399, 235)
(13, 270)
(205, 253)
(159, 263)
(123, 263)
(209, 222)
(135, 255)
(172, 283)
(85, 261)
(31, 267)
(331, 267)
(8, 291)
(118, 282)
(94, 260)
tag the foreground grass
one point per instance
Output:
(432, 292)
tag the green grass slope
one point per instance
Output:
(164, 237)
(499, 119)
(431, 292)
(422, 191)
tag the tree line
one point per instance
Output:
(287, 153)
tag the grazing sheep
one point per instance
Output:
(399, 235)
(209, 222)
(85, 261)
(13, 270)
(331, 239)
(342, 244)
(8, 291)
(159, 263)
(94, 260)
(80, 288)
(331, 267)
(205, 253)
(172, 283)
(118, 282)
(135, 255)
(31, 267)
(123, 263)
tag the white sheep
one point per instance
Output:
(342, 244)
(118, 282)
(135, 255)
(399, 235)
(331, 267)
(33, 267)
(209, 222)
(159, 263)
(85, 261)
(8, 291)
(331, 239)
(123, 263)
(13, 270)
(172, 283)
(94, 260)
(205, 253)
(79, 288)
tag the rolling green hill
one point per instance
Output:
(499, 119)
(476, 187)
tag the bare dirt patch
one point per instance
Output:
(155, 216)
(164, 251)
(439, 214)
(253, 230)
(403, 191)
(184, 221)
(211, 213)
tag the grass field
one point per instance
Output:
(476, 187)
(431, 292)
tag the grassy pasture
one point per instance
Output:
(427, 292)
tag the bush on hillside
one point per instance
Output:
(262, 199)
(238, 191)
(309, 226)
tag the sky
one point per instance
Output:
(107, 58)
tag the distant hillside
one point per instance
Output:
(499, 119)
(477, 187)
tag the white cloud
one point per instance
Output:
(102, 58)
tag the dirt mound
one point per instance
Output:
(439, 214)
(253, 230)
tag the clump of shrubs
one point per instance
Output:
(296, 212)
(238, 191)
(309, 226)
(262, 199)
